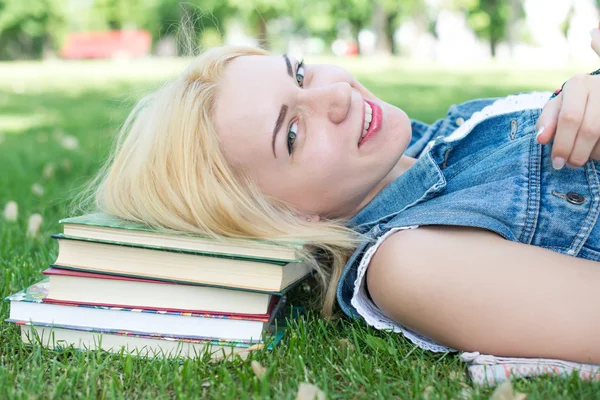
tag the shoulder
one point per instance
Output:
(404, 251)
(432, 237)
(456, 115)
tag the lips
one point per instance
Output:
(375, 125)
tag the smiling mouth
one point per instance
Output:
(371, 121)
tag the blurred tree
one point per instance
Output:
(330, 20)
(326, 19)
(566, 23)
(188, 20)
(490, 18)
(119, 14)
(258, 13)
(358, 13)
(387, 15)
(384, 12)
(28, 28)
(515, 15)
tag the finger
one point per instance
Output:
(595, 155)
(548, 120)
(588, 134)
(570, 117)
(595, 33)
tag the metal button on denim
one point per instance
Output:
(459, 121)
(575, 198)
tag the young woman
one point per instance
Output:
(464, 234)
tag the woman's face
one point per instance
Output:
(297, 129)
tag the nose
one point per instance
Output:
(333, 98)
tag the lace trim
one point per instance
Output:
(365, 307)
(373, 315)
(505, 105)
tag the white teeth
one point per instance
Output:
(368, 119)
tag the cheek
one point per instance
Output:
(325, 150)
(325, 167)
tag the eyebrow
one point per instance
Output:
(283, 109)
(280, 119)
(288, 65)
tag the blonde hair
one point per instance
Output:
(167, 170)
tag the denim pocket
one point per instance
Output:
(569, 209)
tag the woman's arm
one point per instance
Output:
(472, 290)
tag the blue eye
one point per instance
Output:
(300, 74)
(291, 137)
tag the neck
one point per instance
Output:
(401, 166)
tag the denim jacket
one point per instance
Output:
(496, 177)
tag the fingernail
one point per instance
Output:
(539, 132)
(558, 162)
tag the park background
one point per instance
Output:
(72, 69)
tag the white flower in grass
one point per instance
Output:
(34, 224)
(48, 171)
(11, 211)
(505, 392)
(66, 164)
(37, 189)
(307, 391)
(258, 369)
(428, 392)
(69, 142)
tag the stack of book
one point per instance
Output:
(121, 286)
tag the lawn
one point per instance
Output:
(57, 121)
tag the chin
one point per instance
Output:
(399, 123)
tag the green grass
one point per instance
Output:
(88, 100)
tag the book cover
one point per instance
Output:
(109, 229)
(182, 282)
(248, 275)
(59, 338)
(137, 334)
(38, 293)
(118, 291)
(229, 256)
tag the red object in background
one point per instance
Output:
(352, 48)
(109, 44)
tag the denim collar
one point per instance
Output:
(418, 183)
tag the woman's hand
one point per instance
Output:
(573, 119)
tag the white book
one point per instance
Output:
(28, 305)
(58, 338)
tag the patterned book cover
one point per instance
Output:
(286, 251)
(275, 335)
(37, 292)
